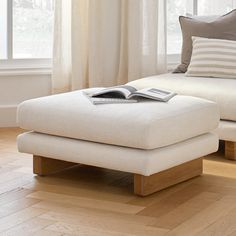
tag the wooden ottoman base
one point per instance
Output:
(230, 150)
(143, 185)
(146, 185)
(43, 166)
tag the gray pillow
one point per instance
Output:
(223, 27)
(203, 18)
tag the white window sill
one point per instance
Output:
(25, 67)
(25, 71)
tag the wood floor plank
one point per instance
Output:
(6, 160)
(7, 168)
(81, 179)
(9, 176)
(29, 227)
(82, 230)
(120, 226)
(169, 203)
(46, 232)
(226, 225)
(156, 197)
(15, 183)
(12, 207)
(204, 218)
(215, 168)
(208, 180)
(81, 191)
(186, 210)
(87, 202)
(232, 234)
(87, 212)
(224, 190)
(19, 217)
(13, 195)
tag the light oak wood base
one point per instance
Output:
(230, 150)
(146, 185)
(143, 185)
(45, 166)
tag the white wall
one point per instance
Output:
(17, 88)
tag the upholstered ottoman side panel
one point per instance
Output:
(144, 162)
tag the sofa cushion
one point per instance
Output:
(213, 58)
(226, 130)
(218, 90)
(144, 125)
(221, 28)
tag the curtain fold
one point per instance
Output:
(107, 42)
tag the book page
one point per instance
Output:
(101, 100)
(154, 93)
(124, 90)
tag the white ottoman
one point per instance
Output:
(161, 143)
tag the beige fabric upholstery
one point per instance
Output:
(144, 125)
(213, 58)
(218, 90)
(227, 130)
(144, 162)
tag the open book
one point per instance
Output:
(128, 94)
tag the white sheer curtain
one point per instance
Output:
(107, 42)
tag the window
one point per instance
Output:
(175, 8)
(3, 29)
(26, 32)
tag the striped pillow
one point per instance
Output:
(213, 58)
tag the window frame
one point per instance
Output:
(20, 64)
(174, 59)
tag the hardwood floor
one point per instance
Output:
(92, 201)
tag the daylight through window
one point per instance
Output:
(26, 29)
(175, 8)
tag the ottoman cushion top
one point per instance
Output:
(144, 125)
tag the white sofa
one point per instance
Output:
(222, 91)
